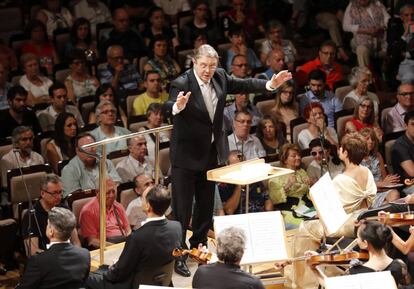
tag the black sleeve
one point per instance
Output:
(31, 277)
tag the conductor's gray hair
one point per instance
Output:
(63, 221)
(206, 50)
(230, 245)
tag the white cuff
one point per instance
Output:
(268, 87)
(175, 109)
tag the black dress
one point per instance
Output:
(395, 267)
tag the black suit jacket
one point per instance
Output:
(191, 141)
(63, 266)
(150, 246)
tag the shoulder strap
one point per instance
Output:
(118, 221)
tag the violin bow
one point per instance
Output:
(335, 245)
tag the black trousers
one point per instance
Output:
(192, 184)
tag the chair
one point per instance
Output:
(126, 193)
(88, 127)
(78, 195)
(296, 126)
(182, 19)
(388, 141)
(164, 161)
(118, 156)
(129, 105)
(61, 165)
(102, 32)
(265, 106)
(383, 114)
(142, 61)
(182, 57)
(60, 72)
(5, 146)
(341, 92)
(136, 122)
(86, 106)
(341, 118)
(222, 51)
(41, 141)
(60, 38)
(306, 161)
(160, 276)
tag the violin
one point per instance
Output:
(201, 256)
(338, 258)
(398, 219)
(409, 182)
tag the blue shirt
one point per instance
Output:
(3, 96)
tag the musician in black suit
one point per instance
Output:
(148, 248)
(199, 142)
(62, 265)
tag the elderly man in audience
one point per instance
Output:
(135, 210)
(117, 225)
(153, 93)
(59, 97)
(50, 197)
(137, 162)
(106, 118)
(62, 265)
(239, 68)
(403, 153)
(18, 113)
(241, 139)
(318, 93)
(325, 62)
(231, 243)
(4, 87)
(241, 103)
(275, 63)
(395, 117)
(147, 249)
(83, 170)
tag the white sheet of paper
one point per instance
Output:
(328, 205)
(265, 234)
(374, 280)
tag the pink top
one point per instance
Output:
(89, 220)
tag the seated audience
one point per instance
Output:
(147, 249)
(315, 117)
(106, 118)
(402, 153)
(394, 120)
(240, 68)
(83, 169)
(241, 139)
(275, 41)
(360, 79)
(50, 197)
(62, 265)
(39, 45)
(59, 97)
(36, 84)
(137, 161)
(275, 63)
(364, 116)
(231, 243)
(79, 83)
(172, 8)
(153, 93)
(324, 62)
(198, 40)
(135, 211)
(241, 103)
(288, 191)
(325, 160)
(94, 11)
(18, 113)
(5, 85)
(54, 16)
(237, 38)
(160, 60)
(318, 92)
(234, 198)
(61, 146)
(117, 225)
(270, 134)
(286, 108)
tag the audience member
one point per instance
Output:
(8, 57)
(319, 93)
(360, 79)
(61, 146)
(325, 62)
(198, 40)
(402, 153)
(117, 225)
(106, 118)
(18, 113)
(394, 120)
(315, 117)
(59, 97)
(39, 45)
(4, 87)
(153, 93)
(240, 68)
(107, 92)
(234, 198)
(62, 265)
(36, 84)
(54, 16)
(241, 139)
(241, 103)
(94, 10)
(79, 83)
(83, 170)
(161, 60)
(274, 63)
(135, 210)
(81, 38)
(406, 67)
(122, 35)
(173, 7)
(366, 20)
(270, 134)
(274, 41)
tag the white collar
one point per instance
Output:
(199, 81)
(53, 243)
(147, 220)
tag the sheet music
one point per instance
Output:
(111, 255)
(374, 280)
(328, 205)
(265, 235)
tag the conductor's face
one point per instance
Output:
(205, 67)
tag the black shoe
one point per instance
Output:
(181, 268)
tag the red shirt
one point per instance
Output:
(333, 76)
(359, 124)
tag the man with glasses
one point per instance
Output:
(239, 68)
(325, 62)
(241, 103)
(394, 120)
(50, 197)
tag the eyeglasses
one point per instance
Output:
(54, 194)
(241, 65)
(406, 94)
(26, 138)
(366, 106)
(314, 153)
(113, 111)
(244, 121)
(287, 92)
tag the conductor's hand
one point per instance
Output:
(182, 99)
(278, 79)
